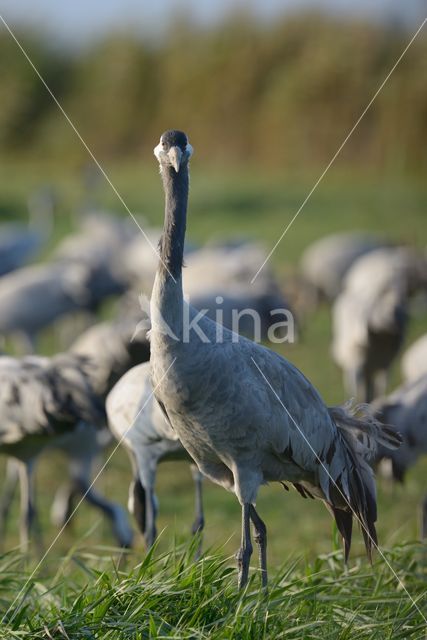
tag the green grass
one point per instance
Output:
(311, 596)
(169, 595)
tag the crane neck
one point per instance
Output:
(167, 297)
(176, 186)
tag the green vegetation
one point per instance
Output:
(171, 596)
(283, 94)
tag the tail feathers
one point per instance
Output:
(344, 522)
(354, 492)
(363, 493)
(357, 500)
(358, 422)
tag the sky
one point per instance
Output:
(80, 21)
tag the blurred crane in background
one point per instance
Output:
(109, 350)
(406, 409)
(325, 263)
(370, 317)
(41, 401)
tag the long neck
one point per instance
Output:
(167, 299)
(172, 241)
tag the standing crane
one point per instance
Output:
(246, 415)
(111, 348)
(370, 317)
(41, 401)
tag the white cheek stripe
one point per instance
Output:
(158, 150)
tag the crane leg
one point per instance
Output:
(81, 485)
(243, 556)
(29, 516)
(136, 503)
(199, 521)
(150, 532)
(260, 538)
(8, 493)
(145, 503)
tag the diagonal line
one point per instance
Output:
(85, 145)
(61, 531)
(340, 148)
(342, 494)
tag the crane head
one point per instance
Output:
(173, 150)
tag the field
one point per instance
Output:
(80, 590)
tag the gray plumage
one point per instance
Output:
(98, 246)
(370, 317)
(32, 298)
(325, 263)
(113, 348)
(227, 416)
(82, 276)
(406, 409)
(41, 400)
(137, 421)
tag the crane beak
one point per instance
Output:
(175, 157)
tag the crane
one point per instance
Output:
(245, 414)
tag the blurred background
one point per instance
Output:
(267, 91)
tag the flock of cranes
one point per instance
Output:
(240, 413)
